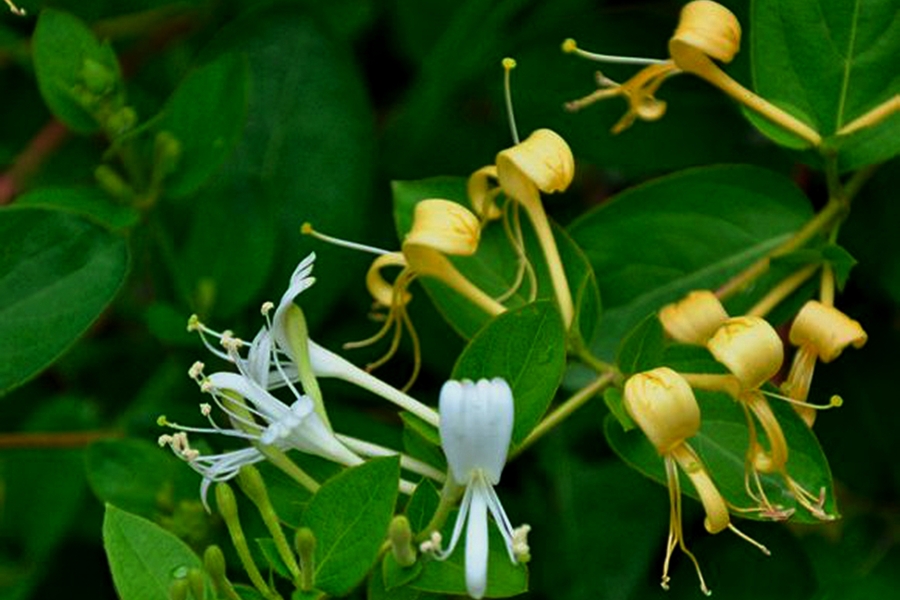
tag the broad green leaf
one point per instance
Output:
(350, 515)
(74, 70)
(527, 347)
(90, 203)
(57, 274)
(494, 266)
(615, 402)
(306, 155)
(722, 444)
(505, 579)
(375, 590)
(422, 505)
(831, 61)
(422, 441)
(206, 114)
(144, 558)
(396, 576)
(273, 558)
(642, 348)
(653, 243)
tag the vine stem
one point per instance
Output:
(564, 410)
(61, 439)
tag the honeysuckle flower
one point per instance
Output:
(541, 163)
(476, 427)
(706, 31)
(663, 406)
(694, 318)
(282, 353)
(257, 416)
(753, 352)
(820, 332)
(440, 228)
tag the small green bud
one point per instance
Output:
(214, 564)
(121, 121)
(226, 502)
(167, 153)
(198, 585)
(400, 534)
(252, 484)
(305, 543)
(98, 78)
(178, 590)
(113, 184)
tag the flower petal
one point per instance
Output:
(477, 540)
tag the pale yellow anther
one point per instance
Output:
(826, 330)
(750, 348)
(194, 323)
(693, 319)
(445, 226)
(544, 160)
(663, 405)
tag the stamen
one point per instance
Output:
(15, 9)
(307, 229)
(266, 308)
(570, 47)
(835, 401)
(196, 371)
(508, 65)
(749, 539)
(194, 323)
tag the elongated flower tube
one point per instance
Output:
(15, 9)
(694, 318)
(706, 31)
(663, 405)
(476, 427)
(541, 163)
(820, 332)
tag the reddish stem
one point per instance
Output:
(44, 143)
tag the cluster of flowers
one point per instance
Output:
(662, 402)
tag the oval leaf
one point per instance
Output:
(144, 558)
(527, 347)
(58, 274)
(350, 515)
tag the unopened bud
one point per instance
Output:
(827, 330)
(663, 405)
(167, 153)
(214, 565)
(226, 502)
(121, 121)
(400, 534)
(113, 184)
(693, 319)
(197, 584)
(305, 543)
(98, 78)
(750, 348)
(178, 589)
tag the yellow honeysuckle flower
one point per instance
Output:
(820, 332)
(694, 318)
(706, 31)
(663, 405)
(753, 352)
(440, 228)
(541, 163)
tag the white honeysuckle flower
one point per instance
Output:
(270, 360)
(476, 427)
(258, 416)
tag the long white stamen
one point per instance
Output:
(570, 47)
(307, 229)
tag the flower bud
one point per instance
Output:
(446, 226)
(178, 590)
(693, 319)
(305, 543)
(121, 121)
(198, 585)
(663, 405)
(705, 29)
(750, 348)
(400, 535)
(544, 160)
(827, 330)
(98, 78)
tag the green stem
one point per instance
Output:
(784, 289)
(564, 410)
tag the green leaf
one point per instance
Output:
(273, 558)
(90, 203)
(615, 402)
(722, 444)
(306, 155)
(841, 261)
(422, 506)
(375, 590)
(144, 558)
(505, 579)
(692, 230)
(350, 515)
(643, 347)
(494, 266)
(834, 61)
(57, 274)
(396, 576)
(74, 70)
(206, 114)
(527, 347)
(422, 441)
